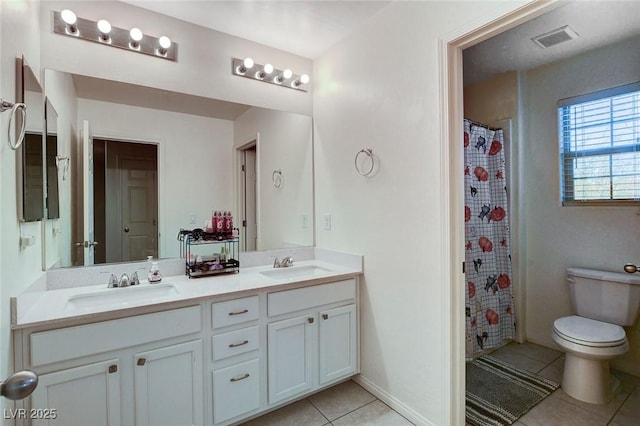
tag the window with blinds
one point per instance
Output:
(600, 146)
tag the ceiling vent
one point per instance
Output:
(555, 37)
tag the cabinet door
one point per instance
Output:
(338, 343)
(236, 390)
(169, 386)
(86, 395)
(290, 356)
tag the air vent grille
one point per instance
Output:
(555, 37)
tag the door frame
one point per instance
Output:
(450, 47)
(239, 193)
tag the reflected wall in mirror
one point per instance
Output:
(198, 143)
(30, 158)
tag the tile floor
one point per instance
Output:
(349, 404)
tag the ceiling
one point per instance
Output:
(305, 28)
(598, 24)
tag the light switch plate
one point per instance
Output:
(327, 222)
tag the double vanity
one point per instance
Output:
(213, 350)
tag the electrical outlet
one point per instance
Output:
(193, 219)
(327, 222)
(305, 221)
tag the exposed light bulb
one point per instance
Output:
(165, 42)
(304, 78)
(68, 17)
(136, 35)
(104, 27)
(265, 71)
(248, 63)
(287, 74)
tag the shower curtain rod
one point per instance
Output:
(476, 123)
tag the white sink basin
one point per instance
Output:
(293, 272)
(122, 296)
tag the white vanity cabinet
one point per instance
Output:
(236, 356)
(143, 370)
(312, 339)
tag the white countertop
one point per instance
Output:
(49, 307)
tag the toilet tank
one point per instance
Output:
(612, 297)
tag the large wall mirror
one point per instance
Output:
(145, 163)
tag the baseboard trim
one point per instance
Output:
(392, 401)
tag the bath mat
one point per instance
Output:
(499, 394)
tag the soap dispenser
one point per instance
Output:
(154, 275)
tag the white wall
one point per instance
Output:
(559, 237)
(204, 57)
(61, 93)
(284, 144)
(379, 89)
(19, 35)
(194, 168)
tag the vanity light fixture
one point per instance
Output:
(67, 23)
(240, 67)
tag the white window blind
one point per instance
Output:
(600, 146)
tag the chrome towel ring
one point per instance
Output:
(364, 171)
(276, 178)
(5, 105)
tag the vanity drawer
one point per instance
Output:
(236, 390)
(283, 302)
(234, 311)
(235, 343)
(90, 339)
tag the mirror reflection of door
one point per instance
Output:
(125, 200)
(248, 197)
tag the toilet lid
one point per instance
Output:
(589, 332)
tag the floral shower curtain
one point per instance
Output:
(490, 317)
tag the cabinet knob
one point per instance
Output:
(310, 320)
(141, 361)
(113, 369)
(325, 316)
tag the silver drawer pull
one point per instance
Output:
(235, 345)
(244, 311)
(237, 379)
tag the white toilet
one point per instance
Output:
(603, 302)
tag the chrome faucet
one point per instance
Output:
(285, 262)
(124, 280)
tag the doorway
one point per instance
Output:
(125, 200)
(452, 103)
(248, 197)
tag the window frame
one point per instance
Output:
(567, 156)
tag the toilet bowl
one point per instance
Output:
(603, 301)
(589, 345)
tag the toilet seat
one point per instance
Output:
(588, 332)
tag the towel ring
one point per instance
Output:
(276, 178)
(5, 105)
(369, 153)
